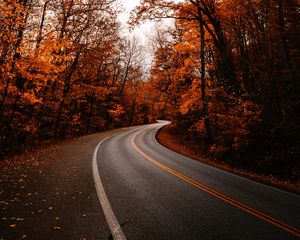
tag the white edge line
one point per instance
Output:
(111, 219)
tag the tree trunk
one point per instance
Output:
(90, 116)
(66, 90)
(40, 34)
(16, 56)
(227, 65)
(203, 81)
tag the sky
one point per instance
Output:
(141, 31)
(128, 5)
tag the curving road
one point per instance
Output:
(146, 192)
(155, 193)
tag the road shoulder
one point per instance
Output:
(49, 193)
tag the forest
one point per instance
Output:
(226, 74)
(65, 71)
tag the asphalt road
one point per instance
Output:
(151, 192)
(158, 194)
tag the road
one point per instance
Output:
(146, 192)
(158, 194)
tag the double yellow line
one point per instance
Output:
(229, 200)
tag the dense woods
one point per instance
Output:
(226, 74)
(65, 70)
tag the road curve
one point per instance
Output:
(156, 193)
(153, 193)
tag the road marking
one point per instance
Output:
(111, 219)
(213, 192)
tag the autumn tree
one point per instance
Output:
(235, 59)
(63, 71)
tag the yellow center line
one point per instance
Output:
(213, 192)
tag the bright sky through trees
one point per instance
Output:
(140, 31)
(144, 29)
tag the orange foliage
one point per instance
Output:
(245, 86)
(64, 70)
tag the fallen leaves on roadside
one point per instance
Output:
(56, 227)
